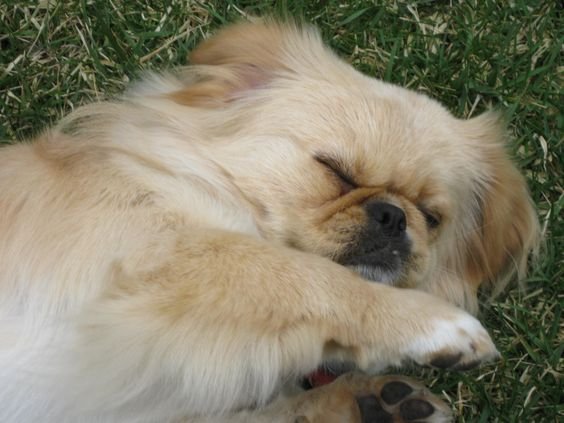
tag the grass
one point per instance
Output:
(471, 55)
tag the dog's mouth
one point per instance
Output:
(388, 275)
(383, 262)
(325, 374)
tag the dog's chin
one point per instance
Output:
(388, 275)
(385, 263)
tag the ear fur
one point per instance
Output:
(508, 228)
(246, 56)
(260, 44)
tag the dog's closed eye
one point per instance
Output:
(338, 169)
(432, 218)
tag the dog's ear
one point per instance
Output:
(507, 228)
(244, 57)
(261, 44)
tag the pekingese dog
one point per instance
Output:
(265, 218)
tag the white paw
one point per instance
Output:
(458, 342)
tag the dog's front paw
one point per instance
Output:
(457, 342)
(417, 327)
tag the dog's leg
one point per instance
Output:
(226, 319)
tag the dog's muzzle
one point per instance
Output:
(383, 247)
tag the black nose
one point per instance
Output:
(390, 218)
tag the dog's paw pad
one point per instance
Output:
(371, 410)
(393, 392)
(400, 399)
(456, 361)
(445, 361)
(416, 409)
(359, 398)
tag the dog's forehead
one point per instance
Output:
(385, 134)
(365, 110)
(385, 130)
(403, 140)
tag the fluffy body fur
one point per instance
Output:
(183, 253)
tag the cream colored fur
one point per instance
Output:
(167, 257)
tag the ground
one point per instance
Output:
(471, 55)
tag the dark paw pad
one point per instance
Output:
(414, 409)
(446, 361)
(394, 392)
(371, 410)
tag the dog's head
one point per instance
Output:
(374, 176)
